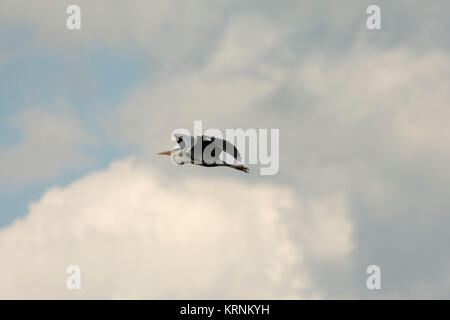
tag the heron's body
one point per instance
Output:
(204, 151)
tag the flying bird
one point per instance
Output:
(203, 151)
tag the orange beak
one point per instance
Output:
(165, 153)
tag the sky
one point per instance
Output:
(364, 149)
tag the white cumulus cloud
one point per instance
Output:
(137, 235)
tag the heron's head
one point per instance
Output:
(176, 155)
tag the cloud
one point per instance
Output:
(168, 30)
(375, 126)
(179, 34)
(50, 144)
(368, 82)
(137, 235)
(363, 117)
(367, 124)
(370, 112)
(327, 228)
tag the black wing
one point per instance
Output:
(197, 150)
(223, 145)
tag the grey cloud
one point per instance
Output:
(361, 114)
(50, 143)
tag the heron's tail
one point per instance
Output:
(238, 167)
